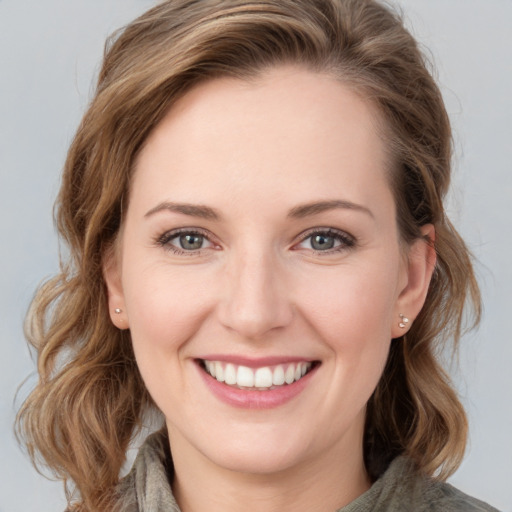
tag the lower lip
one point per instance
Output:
(255, 399)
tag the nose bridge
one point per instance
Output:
(255, 298)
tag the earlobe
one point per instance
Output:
(420, 265)
(112, 277)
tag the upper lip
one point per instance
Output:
(258, 362)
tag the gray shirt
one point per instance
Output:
(400, 489)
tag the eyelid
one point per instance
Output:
(164, 240)
(347, 240)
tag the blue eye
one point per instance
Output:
(184, 241)
(322, 242)
(190, 242)
(326, 241)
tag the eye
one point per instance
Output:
(326, 240)
(190, 241)
(184, 241)
(322, 242)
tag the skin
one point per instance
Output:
(254, 152)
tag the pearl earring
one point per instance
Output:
(118, 311)
(403, 321)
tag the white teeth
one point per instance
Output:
(245, 377)
(263, 378)
(278, 376)
(298, 372)
(260, 378)
(219, 371)
(230, 374)
(289, 376)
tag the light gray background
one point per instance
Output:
(49, 54)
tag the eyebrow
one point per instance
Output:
(318, 207)
(298, 212)
(193, 210)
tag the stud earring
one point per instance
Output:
(118, 311)
(403, 321)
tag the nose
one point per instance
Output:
(255, 296)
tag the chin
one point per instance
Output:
(254, 448)
(256, 460)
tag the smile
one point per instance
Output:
(262, 378)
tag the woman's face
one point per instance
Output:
(260, 245)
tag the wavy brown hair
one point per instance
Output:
(90, 399)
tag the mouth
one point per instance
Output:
(262, 378)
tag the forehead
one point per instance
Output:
(289, 130)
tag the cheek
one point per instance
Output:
(351, 302)
(352, 312)
(164, 310)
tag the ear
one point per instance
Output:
(112, 277)
(419, 266)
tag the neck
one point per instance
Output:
(328, 482)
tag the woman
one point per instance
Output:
(259, 252)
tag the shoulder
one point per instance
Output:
(426, 494)
(444, 497)
(402, 489)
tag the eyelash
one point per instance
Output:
(165, 239)
(346, 241)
